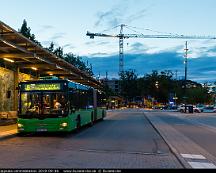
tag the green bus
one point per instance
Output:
(57, 105)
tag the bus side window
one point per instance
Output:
(72, 107)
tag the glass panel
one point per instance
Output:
(30, 103)
(81, 99)
(54, 103)
(50, 104)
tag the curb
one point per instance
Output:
(172, 149)
(8, 135)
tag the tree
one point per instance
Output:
(26, 31)
(51, 47)
(77, 62)
(156, 85)
(70, 58)
(128, 84)
(59, 52)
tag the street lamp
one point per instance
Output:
(157, 84)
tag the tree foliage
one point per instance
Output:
(26, 31)
(161, 86)
(77, 62)
(69, 57)
(128, 84)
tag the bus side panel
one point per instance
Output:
(72, 122)
(86, 116)
(101, 113)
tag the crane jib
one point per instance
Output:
(122, 36)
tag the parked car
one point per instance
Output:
(209, 109)
(195, 109)
(201, 107)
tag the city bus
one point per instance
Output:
(57, 105)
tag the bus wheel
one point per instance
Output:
(78, 121)
(103, 114)
(21, 134)
(92, 119)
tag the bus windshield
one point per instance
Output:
(43, 104)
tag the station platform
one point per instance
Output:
(8, 128)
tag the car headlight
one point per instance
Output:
(64, 124)
(19, 125)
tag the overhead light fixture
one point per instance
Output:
(9, 60)
(9, 44)
(34, 68)
(51, 74)
(59, 67)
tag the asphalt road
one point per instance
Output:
(204, 137)
(125, 139)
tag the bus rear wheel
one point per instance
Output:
(78, 121)
(92, 119)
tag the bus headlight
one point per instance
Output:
(19, 125)
(64, 124)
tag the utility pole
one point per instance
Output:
(176, 74)
(186, 69)
(106, 75)
(186, 60)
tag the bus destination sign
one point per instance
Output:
(42, 87)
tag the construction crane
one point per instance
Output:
(123, 36)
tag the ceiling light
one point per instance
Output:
(34, 68)
(9, 60)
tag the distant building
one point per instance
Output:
(112, 83)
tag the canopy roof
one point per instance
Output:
(26, 54)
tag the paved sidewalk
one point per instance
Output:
(8, 131)
(184, 148)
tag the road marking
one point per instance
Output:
(201, 165)
(193, 156)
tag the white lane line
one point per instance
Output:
(201, 165)
(193, 156)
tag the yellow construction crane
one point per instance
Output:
(123, 36)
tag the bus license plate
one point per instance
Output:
(41, 130)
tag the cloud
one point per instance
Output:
(199, 69)
(47, 27)
(47, 43)
(100, 54)
(103, 43)
(57, 36)
(136, 16)
(69, 46)
(44, 28)
(111, 17)
(89, 43)
(118, 15)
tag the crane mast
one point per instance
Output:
(123, 36)
(121, 50)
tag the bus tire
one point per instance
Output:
(78, 122)
(21, 134)
(92, 119)
(103, 114)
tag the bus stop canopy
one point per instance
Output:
(25, 54)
